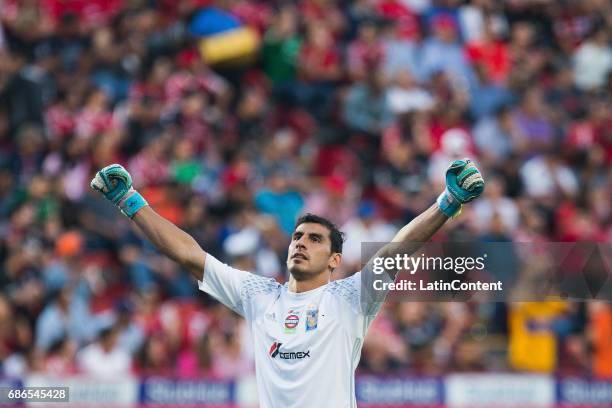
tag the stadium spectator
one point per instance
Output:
(103, 358)
(593, 61)
(533, 344)
(366, 110)
(68, 315)
(495, 203)
(600, 325)
(367, 222)
(399, 53)
(155, 357)
(363, 52)
(443, 53)
(490, 52)
(60, 359)
(495, 136)
(281, 47)
(197, 361)
(280, 199)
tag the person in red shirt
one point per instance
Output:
(591, 137)
(316, 12)
(319, 60)
(319, 67)
(406, 19)
(60, 117)
(492, 53)
(95, 118)
(366, 50)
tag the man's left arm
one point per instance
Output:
(464, 183)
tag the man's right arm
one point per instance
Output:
(230, 286)
(171, 241)
(115, 183)
(222, 282)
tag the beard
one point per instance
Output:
(301, 273)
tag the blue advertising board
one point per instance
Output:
(182, 392)
(399, 391)
(582, 392)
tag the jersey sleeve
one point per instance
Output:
(357, 291)
(234, 288)
(365, 299)
(224, 283)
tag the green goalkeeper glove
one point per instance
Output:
(115, 183)
(463, 184)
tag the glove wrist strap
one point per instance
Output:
(132, 203)
(448, 204)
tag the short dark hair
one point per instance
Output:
(335, 235)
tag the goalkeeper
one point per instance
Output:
(307, 333)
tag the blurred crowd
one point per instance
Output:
(351, 110)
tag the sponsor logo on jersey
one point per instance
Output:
(312, 319)
(275, 351)
(291, 322)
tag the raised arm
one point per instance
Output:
(171, 241)
(463, 184)
(422, 228)
(115, 183)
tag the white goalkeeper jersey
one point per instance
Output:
(306, 345)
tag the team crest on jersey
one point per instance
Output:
(312, 319)
(291, 322)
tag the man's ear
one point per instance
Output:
(334, 261)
